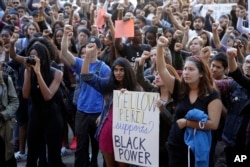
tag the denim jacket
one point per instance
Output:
(237, 97)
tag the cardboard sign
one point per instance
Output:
(124, 28)
(100, 21)
(136, 128)
(218, 9)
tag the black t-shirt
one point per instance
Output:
(183, 105)
(131, 53)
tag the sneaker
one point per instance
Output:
(20, 157)
(73, 144)
(65, 151)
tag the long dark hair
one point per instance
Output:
(129, 82)
(47, 52)
(51, 46)
(43, 54)
(206, 81)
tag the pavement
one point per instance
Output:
(69, 159)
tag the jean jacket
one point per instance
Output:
(236, 97)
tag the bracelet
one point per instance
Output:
(186, 122)
(201, 125)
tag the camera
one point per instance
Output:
(30, 61)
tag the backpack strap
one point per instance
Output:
(98, 69)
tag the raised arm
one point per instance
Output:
(239, 25)
(231, 55)
(13, 55)
(97, 82)
(234, 70)
(216, 37)
(177, 25)
(146, 85)
(85, 66)
(110, 24)
(166, 77)
(67, 56)
(226, 36)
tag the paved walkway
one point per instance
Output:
(68, 160)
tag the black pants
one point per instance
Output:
(85, 126)
(45, 129)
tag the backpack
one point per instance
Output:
(63, 98)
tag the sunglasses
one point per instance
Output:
(15, 2)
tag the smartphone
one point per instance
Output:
(159, 32)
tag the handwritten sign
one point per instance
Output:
(136, 128)
(124, 28)
(218, 9)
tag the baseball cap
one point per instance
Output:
(94, 39)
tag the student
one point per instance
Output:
(90, 102)
(241, 142)
(122, 77)
(165, 104)
(194, 91)
(134, 49)
(41, 83)
(40, 86)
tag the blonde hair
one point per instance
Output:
(196, 37)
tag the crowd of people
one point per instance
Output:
(59, 67)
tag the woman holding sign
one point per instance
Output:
(194, 91)
(165, 103)
(122, 77)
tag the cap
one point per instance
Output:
(94, 39)
(35, 13)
